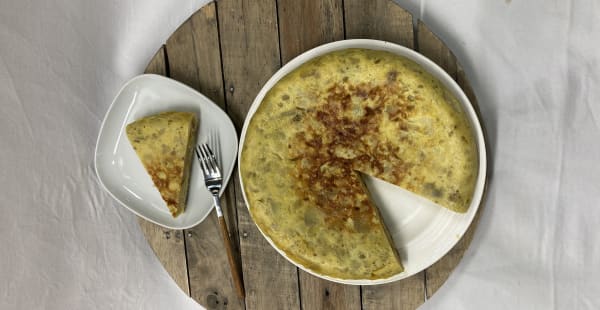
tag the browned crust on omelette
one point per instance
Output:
(164, 144)
(338, 142)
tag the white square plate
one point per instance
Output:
(122, 173)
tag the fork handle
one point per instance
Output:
(233, 265)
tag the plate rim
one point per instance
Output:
(127, 84)
(440, 74)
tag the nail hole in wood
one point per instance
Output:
(212, 301)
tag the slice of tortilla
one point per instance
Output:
(164, 143)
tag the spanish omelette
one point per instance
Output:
(344, 113)
(164, 144)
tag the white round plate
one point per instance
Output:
(121, 172)
(422, 231)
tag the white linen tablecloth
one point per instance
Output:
(535, 67)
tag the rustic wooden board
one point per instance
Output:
(228, 50)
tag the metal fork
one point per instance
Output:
(214, 182)
(214, 145)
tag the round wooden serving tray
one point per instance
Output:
(228, 50)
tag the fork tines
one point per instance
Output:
(207, 159)
(215, 146)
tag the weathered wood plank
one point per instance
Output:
(385, 20)
(378, 19)
(405, 294)
(302, 26)
(433, 48)
(250, 55)
(194, 58)
(167, 244)
(317, 293)
(307, 24)
(250, 51)
(194, 55)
